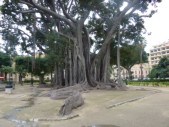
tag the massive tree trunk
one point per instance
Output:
(129, 73)
(86, 50)
(74, 63)
(66, 71)
(20, 79)
(80, 53)
(70, 68)
(41, 78)
(105, 66)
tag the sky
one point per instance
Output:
(158, 26)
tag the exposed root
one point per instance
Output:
(64, 93)
(72, 102)
(102, 85)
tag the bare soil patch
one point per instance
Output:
(44, 107)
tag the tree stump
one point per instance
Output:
(71, 103)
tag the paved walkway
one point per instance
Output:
(150, 111)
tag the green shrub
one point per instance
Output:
(158, 82)
(29, 81)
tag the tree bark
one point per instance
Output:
(106, 63)
(130, 73)
(66, 72)
(71, 103)
(41, 79)
(20, 79)
(75, 63)
(70, 68)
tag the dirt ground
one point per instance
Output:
(44, 107)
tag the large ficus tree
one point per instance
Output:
(75, 22)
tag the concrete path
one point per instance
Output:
(151, 111)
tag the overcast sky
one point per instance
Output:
(158, 25)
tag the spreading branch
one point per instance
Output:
(112, 31)
(65, 13)
(46, 10)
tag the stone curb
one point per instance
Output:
(55, 119)
(131, 100)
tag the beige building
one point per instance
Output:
(136, 71)
(157, 52)
(15, 76)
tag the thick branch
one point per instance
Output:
(66, 36)
(70, 6)
(65, 13)
(29, 11)
(24, 2)
(24, 33)
(50, 12)
(41, 48)
(112, 31)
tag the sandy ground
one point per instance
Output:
(43, 107)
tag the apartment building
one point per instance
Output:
(157, 52)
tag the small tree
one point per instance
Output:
(41, 68)
(161, 70)
(6, 70)
(130, 55)
(5, 63)
(22, 66)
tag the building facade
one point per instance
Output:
(157, 52)
(137, 72)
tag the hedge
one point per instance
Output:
(149, 83)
